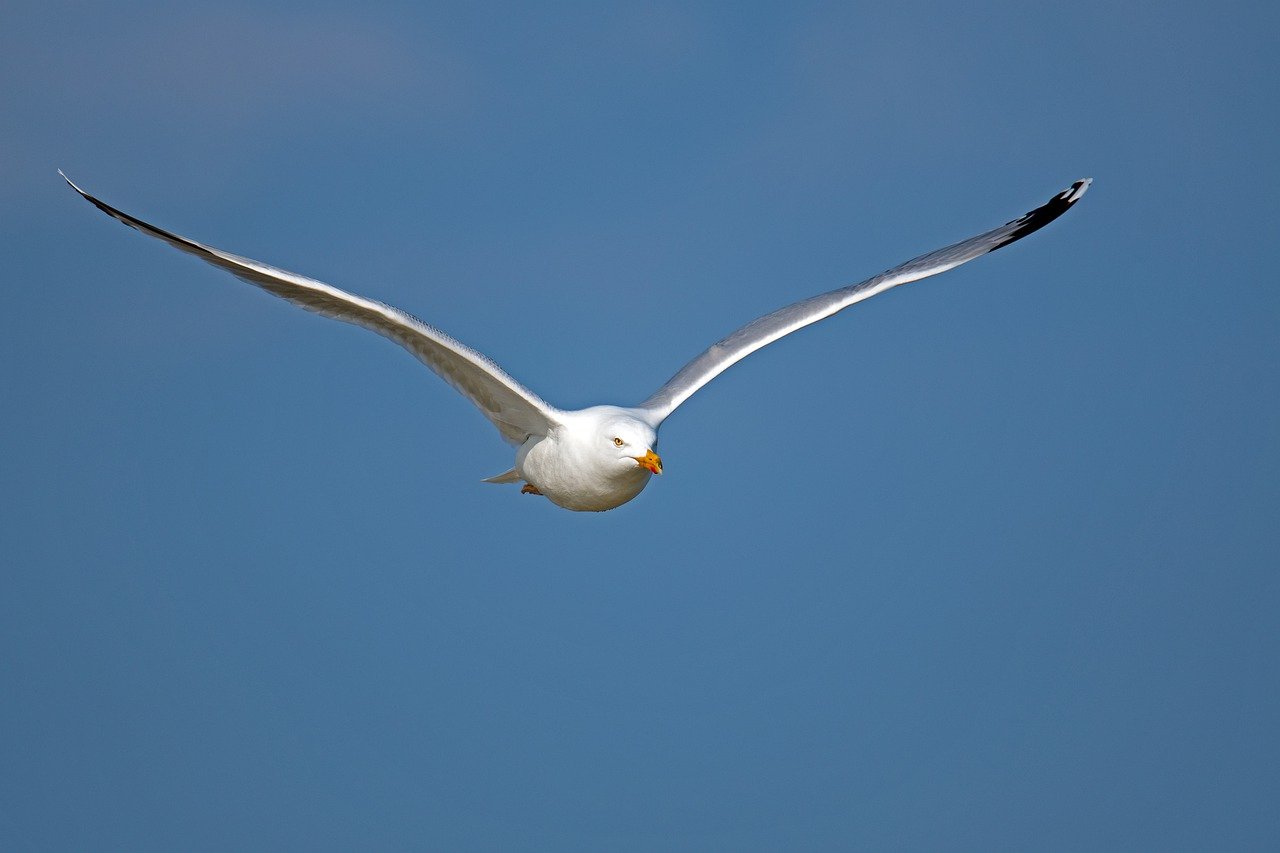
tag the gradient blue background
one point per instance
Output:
(989, 562)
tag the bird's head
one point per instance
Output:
(633, 443)
(622, 441)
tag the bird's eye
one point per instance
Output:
(618, 442)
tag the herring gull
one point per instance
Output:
(597, 458)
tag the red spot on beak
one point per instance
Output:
(651, 461)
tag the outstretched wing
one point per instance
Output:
(784, 321)
(515, 410)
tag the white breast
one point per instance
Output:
(573, 474)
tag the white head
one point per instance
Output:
(621, 441)
(633, 443)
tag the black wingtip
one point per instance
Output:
(135, 222)
(105, 208)
(1073, 193)
(1034, 220)
(82, 193)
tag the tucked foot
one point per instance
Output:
(529, 489)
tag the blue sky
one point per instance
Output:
(986, 562)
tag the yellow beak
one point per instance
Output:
(650, 460)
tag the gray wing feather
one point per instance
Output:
(771, 327)
(513, 409)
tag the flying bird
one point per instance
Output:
(597, 458)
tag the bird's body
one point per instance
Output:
(597, 458)
(574, 469)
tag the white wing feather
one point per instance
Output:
(516, 411)
(784, 321)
